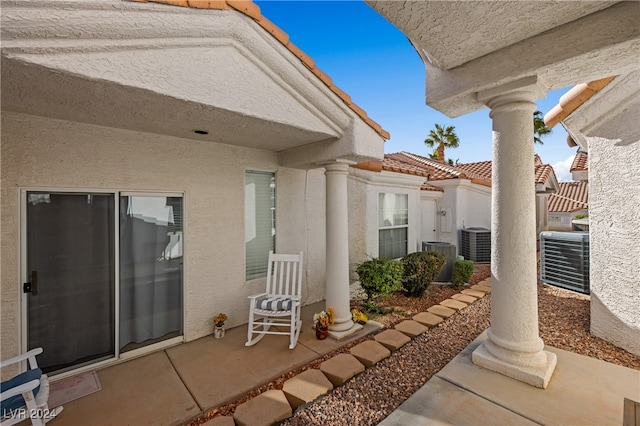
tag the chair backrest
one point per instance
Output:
(284, 274)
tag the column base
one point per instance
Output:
(339, 335)
(534, 375)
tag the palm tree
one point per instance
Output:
(442, 137)
(539, 128)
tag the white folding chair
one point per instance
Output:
(279, 305)
(25, 396)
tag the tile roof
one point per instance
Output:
(571, 196)
(252, 10)
(571, 100)
(580, 162)
(478, 172)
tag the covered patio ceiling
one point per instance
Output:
(202, 74)
(468, 47)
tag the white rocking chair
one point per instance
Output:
(279, 305)
(25, 396)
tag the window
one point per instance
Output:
(393, 222)
(259, 221)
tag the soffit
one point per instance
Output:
(165, 70)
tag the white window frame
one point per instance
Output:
(248, 232)
(405, 226)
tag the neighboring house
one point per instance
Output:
(580, 166)
(505, 64)
(152, 155)
(602, 118)
(571, 200)
(435, 200)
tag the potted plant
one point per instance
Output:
(218, 323)
(322, 320)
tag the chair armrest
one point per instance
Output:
(22, 357)
(257, 295)
(19, 390)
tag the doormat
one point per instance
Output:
(73, 388)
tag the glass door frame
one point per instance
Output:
(24, 275)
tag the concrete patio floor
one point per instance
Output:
(177, 384)
(582, 391)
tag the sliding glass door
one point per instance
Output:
(96, 284)
(150, 270)
(70, 288)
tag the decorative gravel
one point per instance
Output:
(368, 398)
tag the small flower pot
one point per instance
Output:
(218, 332)
(321, 332)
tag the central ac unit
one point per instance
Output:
(476, 244)
(564, 260)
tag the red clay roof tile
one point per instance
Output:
(580, 162)
(571, 196)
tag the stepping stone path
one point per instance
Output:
(369, 352)
(341, 368)
(273, 406)
(453, 304)
(428, 319)
(464, 298)
(265, 409)
(305, 387)
(441, 311)
(392, 339)
(411, 328)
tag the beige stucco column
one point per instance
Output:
(337, 287)
(514, 347)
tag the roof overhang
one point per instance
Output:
(171, 71)
(612, 113)
(562, 43)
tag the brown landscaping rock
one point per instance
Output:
(428, 319)
(369, 352)
(441, 311)
(392, 339)
(411, 328)
(454, 304)
(265, 409)
(481, 288)
(341, 368)
(464, 298)
(474, 293)
(305, 387)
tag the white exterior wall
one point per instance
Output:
(614, 233)
(561, 221)
(364, 187)
(467, 205)
(46, 153)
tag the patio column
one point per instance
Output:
(337, 286)
(514, 347)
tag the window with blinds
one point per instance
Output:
(259, 221)
(393, 225)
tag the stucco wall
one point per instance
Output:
(470, 206)
(364, 187)
(614, 231)
(40, 152)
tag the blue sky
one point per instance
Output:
(375, 64)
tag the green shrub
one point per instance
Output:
(462, 271)
(582, 216)
(420, 269)
(379, 277)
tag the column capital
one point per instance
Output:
(526, 89)
(338, 166)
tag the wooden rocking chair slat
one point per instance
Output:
(280, 304)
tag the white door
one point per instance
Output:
(428, 225)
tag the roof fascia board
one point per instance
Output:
(387, 179)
